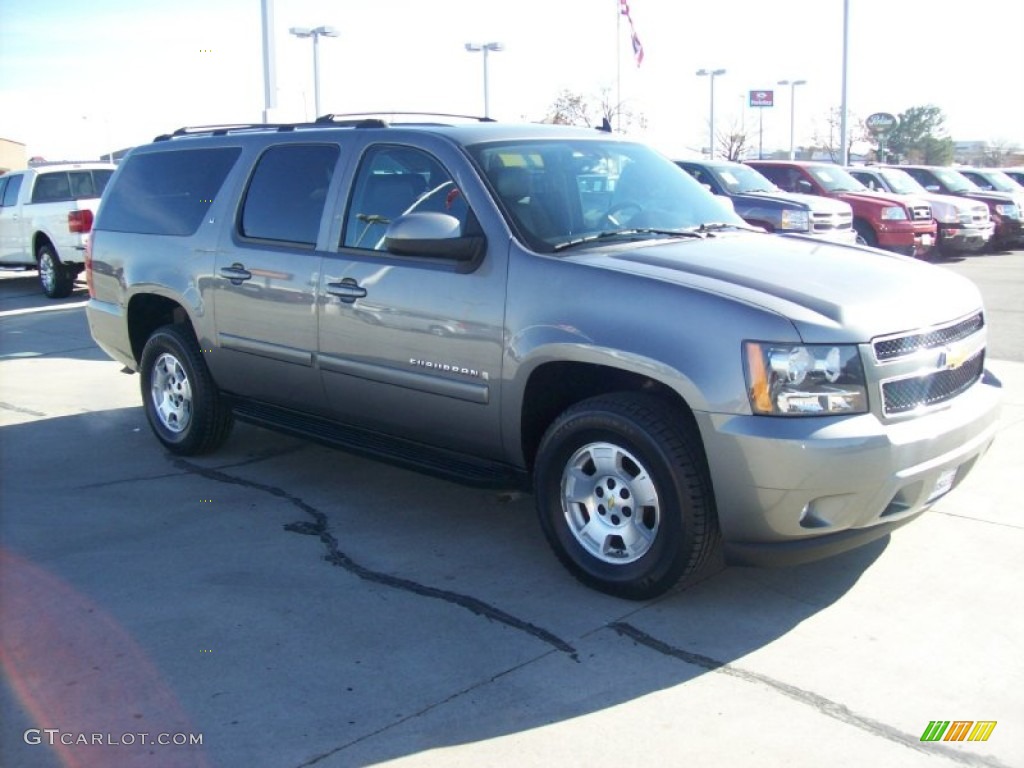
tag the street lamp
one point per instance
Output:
(712, 73)
(316, 33)
(486, 48)
(792, 112)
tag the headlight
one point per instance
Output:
(1008, 210)
(794, 221)
(894, 213)
(804, 379)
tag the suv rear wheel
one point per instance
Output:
(623, 495)
(182, 403)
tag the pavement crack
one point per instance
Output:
(823, 705)
(317, 526)
(19, 409)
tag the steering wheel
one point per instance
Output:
(621, 207)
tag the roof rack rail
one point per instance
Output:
(379, 121)
(223, 130)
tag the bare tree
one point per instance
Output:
(998, 152)
(828, 140)
(571, 108)
(734, 142)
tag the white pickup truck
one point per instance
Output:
(46, 214)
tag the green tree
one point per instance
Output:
(919, 137)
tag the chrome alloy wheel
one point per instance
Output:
(47, 271)
(171, 393)
(610, 503)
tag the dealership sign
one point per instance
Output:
(762, 98)
(881, 122)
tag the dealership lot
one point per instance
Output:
(295, 606)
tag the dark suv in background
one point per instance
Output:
(1004, 208)
(763, 204)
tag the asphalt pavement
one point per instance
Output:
(288, 605)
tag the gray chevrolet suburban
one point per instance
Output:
(556, 309)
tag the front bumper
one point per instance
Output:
(793, 490)
(959, 239)
(906, 238)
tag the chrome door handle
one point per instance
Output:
(236, 273)
(348, 290)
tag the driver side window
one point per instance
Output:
(393, 181)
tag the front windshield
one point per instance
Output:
(739, 179)
(561, 191)
(835, 179)
(955, 180)
(1000, 181)
(902, 182)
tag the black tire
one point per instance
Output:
(646, 449)
(182, 403)
(56, 278)
(865, 234)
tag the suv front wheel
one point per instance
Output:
(623, 495)
(182, 403)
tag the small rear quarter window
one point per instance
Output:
(166, 193)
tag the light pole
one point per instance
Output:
(316, 33)
(792, 113)
(485, 48)
(712, 74)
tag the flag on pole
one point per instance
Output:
(638, 49)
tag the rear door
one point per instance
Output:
(266, 277)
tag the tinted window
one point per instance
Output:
(86, 184)
(13, 187)
(166, 193)
(3, 186)
(286, 195)
(393, 181)
(51, 188)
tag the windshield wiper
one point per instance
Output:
(692, 232)
(718, 226)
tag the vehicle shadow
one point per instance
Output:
(360, 612)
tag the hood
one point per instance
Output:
(943, 205)
(811, 202)
(876, 198)
(832, 293)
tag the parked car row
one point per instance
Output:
(911, 210)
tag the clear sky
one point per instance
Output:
(80, 77)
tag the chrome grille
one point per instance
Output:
(828, 222)
(900, 346)
(921, 212)
(905, 395)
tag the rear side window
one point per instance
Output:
(166, 193)
(12, 189)
(51, 188)
(287, 192)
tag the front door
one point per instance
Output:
(411, 346)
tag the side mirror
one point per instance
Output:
(804, 187)
(435, 235)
